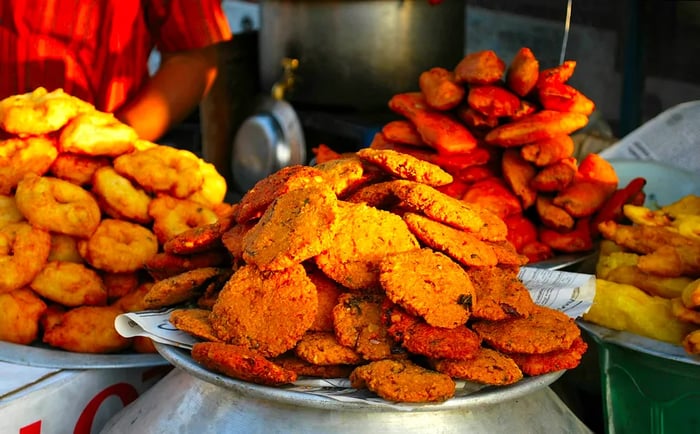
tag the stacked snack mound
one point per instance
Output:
(503, 132)
(85, 205)
(361, 267)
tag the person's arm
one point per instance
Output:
(179, 84)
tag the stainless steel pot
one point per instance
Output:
(358, 53)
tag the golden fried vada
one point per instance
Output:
(21, 310)
(70, 284)
(87, 329)
(19, 157)
(97, 133)
(24, 250)
(119, 197)
(40, 112)
(118, 246)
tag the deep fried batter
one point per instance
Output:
(87, 329)
(163, 265)
(379, 195)
(258, 198)
(460, 245)
(119, 197)
(173, 216)
(327, 291)
(403, 381)
(459, 343)
(430, 285)
(232, 239)
(543, 331)
(486, 367)
(70, 284)
(21, 311)
(196, 240)
(21, 156)
(118, 246)
(39, 112)
(296, 226)
(241, 363)
(405, 166)
(266, 311)
(194, 321)
(292, 362)
(182, 287)
(368, 234)
(323, 348)
(538, 364)
(499, 294)
(97, 133)
(9, 213)
(343, 174)
(357, 321)
(77, 169)
(24, 250)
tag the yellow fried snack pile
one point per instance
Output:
(360, 267)
(649, 273)
(503, 131)
(84, 206)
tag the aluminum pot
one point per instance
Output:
(358, 53)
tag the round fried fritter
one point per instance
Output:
(88, 329)
(296, 226)
(327, 292)
(195, 240)
(460, 245)
(424, 199)
(459, 343)
(342, 174)
(266, 311)
(119, 284)
(21, 156)
(21, 312)
(500, 294)
(194, 321)
(118, 246)
(232, 239)
(292, 362)
(173, 216)
(163, 265)
(78, 169)
(358, 324)
(364, 237)
(57, 205)
(544, 330)
(64, 248)
(97, 133)
(506, 254)
(289, 178)
(119, 197)
(134, 300)
(70, 284)
(406, 166)
(182, 287)
(538, 364)
(379, 195)
(212, 192)
(24, 250)
(239, 362)
(323, 348)
(430, 285)
(40, 112)
(486, 367)
(9, 213)
(403, 381)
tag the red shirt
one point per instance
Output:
(98, 50)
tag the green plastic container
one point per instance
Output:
(647, 386)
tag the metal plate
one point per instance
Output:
(46, 357)
(484, 396)
(639, 343)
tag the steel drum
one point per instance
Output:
(191, 399)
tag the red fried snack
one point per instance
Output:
(565, 98)
(518, 173)
(545, 152)
(405, 166)
(612, 209)
(494, 195)
(238, 362)
(521, 230)
(402, 131)
(480, 67)
(475, 119)
(526, 108)
(577, 240)
(438, 130)
(539, 364)
(593, 167)
(583, 198)
(493, 101)
(541, 125)
(459, 343)
(553, 216)
(441, 90)
(324, 153)
(556, 176)
(455, 162)
(523, 72)
(558, 74)
(537, 251)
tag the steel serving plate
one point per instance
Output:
(47, 357)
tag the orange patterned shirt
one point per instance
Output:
(98, 50)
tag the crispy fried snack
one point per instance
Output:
(70, 284)
(163, 265)
(578, 239)
(642, 238)
(9, 213)
(541, 125)
(548, 151)
(499, 294)
(97, 133)
(480, 67)
(441, 90)
(39, 112)
(357, 322)
(183, 287)
(691, 294)
(119, 284)
(523, 72)
(24, 250)
(493, 101)
(474, 119)
(494, 195)
(556, 176)
(582, 198)
(539, 364)
(564, 98)
(134, 301)
(344, 174)
(403, 381)
(621, 267)
(212, 192)
(198, 239)
(691, 342)
(172, 216)
(378, 195)
(19, 157)
(553, 216)
(327, 292)
(194, 321)
(625, 307)
(295, 227)
(119, 198)
(521, 230)
(57, 205)
(518, 173)
(460, 245)
(87, 329)
(118, 246)
(367, 236)
(162, 169)
(543, 331)
(486, 367)
(673, 261)
(557, 74)
(21, 310)
(77, 169)
(402, 131)
(265, 311)
(236, 361)
(292, 362)
(459, 343)
(684, 314)
(443, 299)
(405, 166)
(323, 348)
